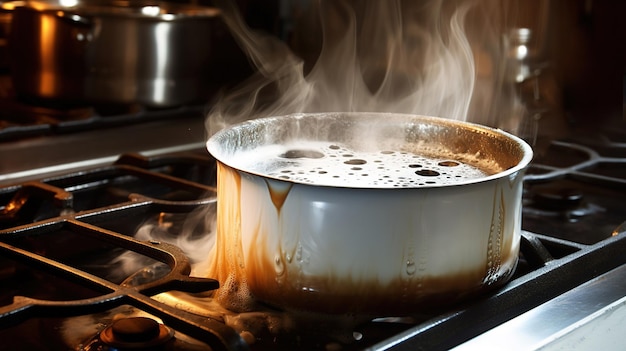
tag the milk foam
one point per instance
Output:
(334, 164)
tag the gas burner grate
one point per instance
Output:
(53, 231)
(574, 190)
(14, 247)
(587, 164)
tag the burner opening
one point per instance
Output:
(582, 210)
(136, 333)
(32, 202)
(558, 198)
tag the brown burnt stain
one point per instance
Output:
(227, 257)
(500, 232)
(278, 194)
(332, 295)
(496, 233)
(336, 295)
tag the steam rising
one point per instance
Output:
(438, 58)
(191, 232)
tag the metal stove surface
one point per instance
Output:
(68, 145)
(56, 229)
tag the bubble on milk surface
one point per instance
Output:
(333, 164)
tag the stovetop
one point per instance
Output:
(67, 145)
(59, 231)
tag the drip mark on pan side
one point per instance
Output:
(496, 232)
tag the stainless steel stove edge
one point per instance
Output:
(591, 316)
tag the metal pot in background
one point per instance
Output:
(5, 29)
(112, 52)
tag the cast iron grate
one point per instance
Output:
(56, 229)
(98, 210)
